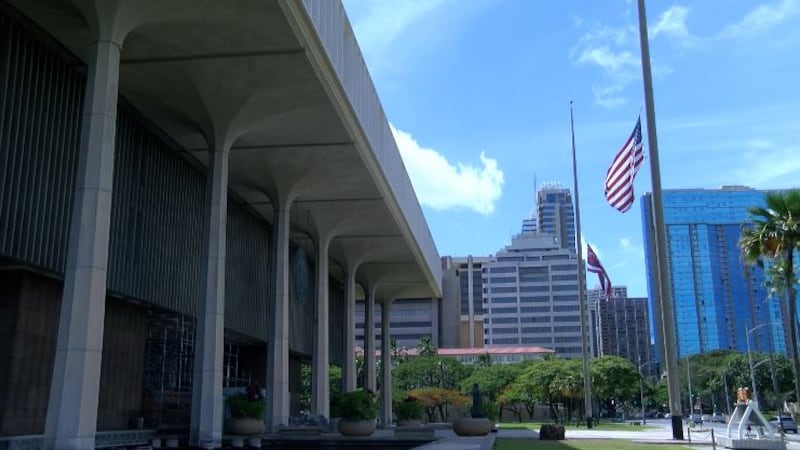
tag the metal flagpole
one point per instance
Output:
(587, 383)
(664, 294)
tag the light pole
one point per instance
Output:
(750, 359)
(689, 384)
(641, 389)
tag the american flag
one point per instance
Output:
(619, 178)
(593, 265)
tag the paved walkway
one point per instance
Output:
(658, 433)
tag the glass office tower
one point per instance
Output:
(556, 214)
(717, 297)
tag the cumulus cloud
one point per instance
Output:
(440, 184)
(612, 50)
(615, 51)
(762, 18)
(673, 23)
(630, 248)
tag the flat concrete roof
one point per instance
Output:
(284, 83)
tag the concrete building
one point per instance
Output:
(623, 327)
(409, 321)
(497, 355)
(531, 296)
(717, 297)
(192, 196)
(462, 312)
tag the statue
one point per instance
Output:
(476, 402)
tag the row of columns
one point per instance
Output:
(72, 410)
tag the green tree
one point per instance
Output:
(551, 381)
(429, 371)
(484, 359)
(425, 347)
(516, 397)
(773, 235)
(614, 378)
(491, 381)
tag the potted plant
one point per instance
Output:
(358, 412)
(409, 412)
(247, 412)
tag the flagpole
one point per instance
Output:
(664, 296)
(587, 383)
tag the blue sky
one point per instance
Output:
(478, 91)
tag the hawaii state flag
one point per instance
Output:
(593, 265)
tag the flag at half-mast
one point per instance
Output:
(619, 178)
(593, 265)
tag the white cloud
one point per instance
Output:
(442, 185)
(608, 96)
(615, 51)
(762, 18)
(630, 248)
(607, 59)
(673, 23)
(766, 164)
(379, 24)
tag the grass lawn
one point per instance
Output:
(579, 444)
(616, 426)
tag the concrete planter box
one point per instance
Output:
(244, 426)
(356, 427)
(409, 423)
(468, 426)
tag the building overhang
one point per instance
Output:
(283, 85)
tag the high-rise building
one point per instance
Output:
(462, 302)
(409, 321)
(717, 298)
(622, 327)
(530, 293)
(556, 214)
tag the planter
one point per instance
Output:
(356, 427)
(468, 426)
(244, 426)
(409, 422)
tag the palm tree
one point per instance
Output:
(773, 234)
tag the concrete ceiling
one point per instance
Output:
(236, 73)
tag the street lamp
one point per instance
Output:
(750, 359)
(641, 389)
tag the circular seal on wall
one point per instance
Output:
(300, 275)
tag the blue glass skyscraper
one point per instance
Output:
(717, 297)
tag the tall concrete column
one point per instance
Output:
(386, 366)
(206, 423)
(277, 410)
(71, 420)
(435, 331)
(369, 341)
(349, 367)
(320, 382)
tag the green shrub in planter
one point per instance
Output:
(409, 409)
(248, 405)
(358, 405)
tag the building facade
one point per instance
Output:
(717, 298)
(531, 296)
(165, 234)
(556, 214)
(622, 327)
(409, 321)
(462, 312)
